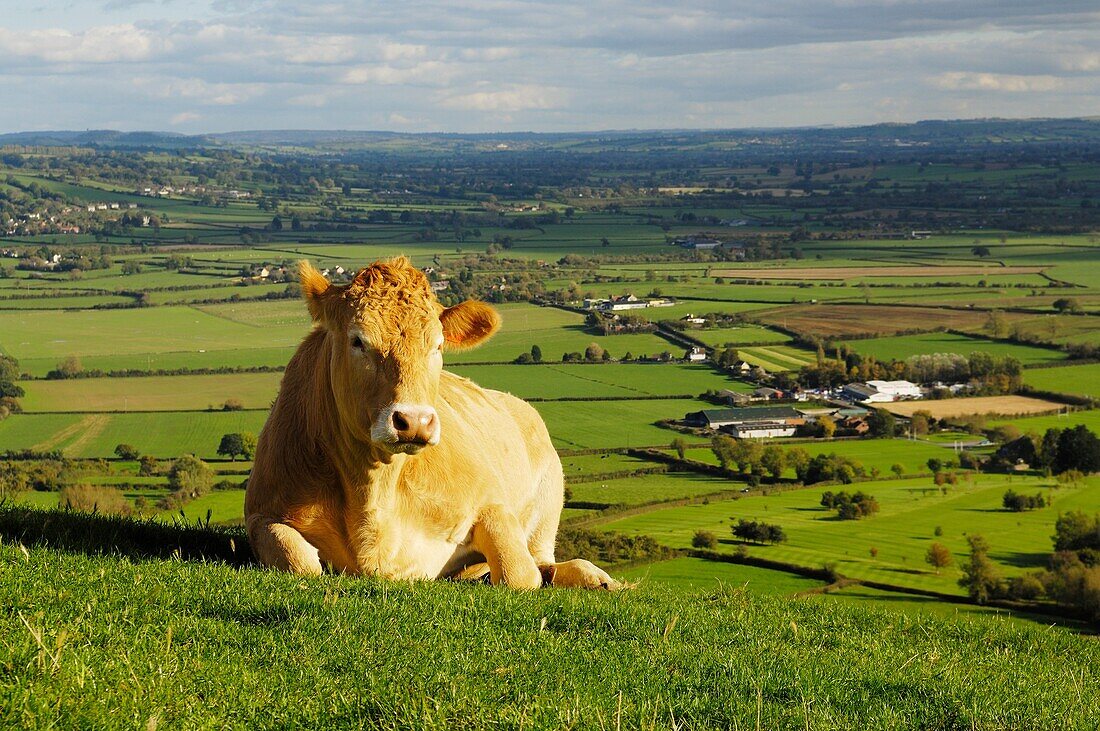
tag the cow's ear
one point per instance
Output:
(314, 288)
(468, 324)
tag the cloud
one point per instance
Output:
(185, 117)
(473, 65)
(969, 81)
(97, 45)
(515, 98)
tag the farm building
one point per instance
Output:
(626, 302)
(881, 392)
(718, 418)
(696, 355)
(760, 430)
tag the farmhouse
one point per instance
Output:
(880, 392)
(696, 355)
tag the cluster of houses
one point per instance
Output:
(626, 302)
(111, 206)
(766, 422)
(163, 191)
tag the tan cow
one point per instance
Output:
(375, 460)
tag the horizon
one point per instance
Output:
(634, 130)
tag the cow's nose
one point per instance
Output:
(415, 424)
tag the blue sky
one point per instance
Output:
(504, 65)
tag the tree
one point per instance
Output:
(238, 444)
(536, 354)
(593, 352)
(980, 251)
(1078, 449)
(1067, 304)
(127, 452)
(190, 475)
(797, 459)
(938, 556)
(898, 469)
(980, 576)
(919, 422)
(881, 423)
(773, 460)
(680, 446)
(67, 368)
(827, 425)
(233, 404)
(276, 223)
(704, 539)
(147, 466)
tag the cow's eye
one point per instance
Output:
(357, 342)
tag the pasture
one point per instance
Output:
(160, 434)
(152, 393)
(654, 488)
(901, 532)
(577, 381)
(903, 346)
(812, 273)
(167, 630)
(1079, 380)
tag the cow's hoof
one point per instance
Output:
(581, 574)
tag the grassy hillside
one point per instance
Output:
(113, 642)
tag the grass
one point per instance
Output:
(687, 573)
(903, 346)
(1080, 380)
(178, 643)
(735, 336)
(901, 531)
(602, 424)
(650, 488)
(160, 434)
(610, 379)
(154, 393)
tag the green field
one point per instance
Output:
(1081, 380)
(902, 531)
(161, 434)
(152, 393)
(165, 633)
(611, 379)
(695, 573)
(600, 424)
(650, 488)
(735, 336)
(903, 346)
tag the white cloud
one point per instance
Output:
(515, 98)
(426, 72)
(97, 45)
(185, 117)
(971, 81)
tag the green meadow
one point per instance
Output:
(904, 346)
(900, 533)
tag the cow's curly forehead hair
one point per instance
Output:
(387, 301)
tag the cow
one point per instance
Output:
(376, 461)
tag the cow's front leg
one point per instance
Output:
(499, 537)
(279, 546)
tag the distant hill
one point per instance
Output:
(103, 138)
(944, 134)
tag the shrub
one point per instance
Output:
(704, 539)
(127, 452)
(95, 498)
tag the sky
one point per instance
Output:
(196, 66)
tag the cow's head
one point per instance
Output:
(386, 334)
